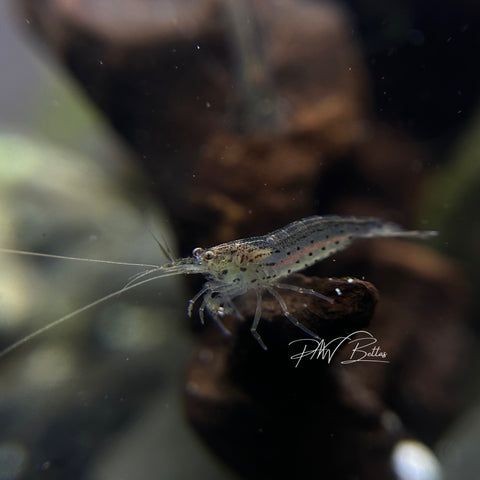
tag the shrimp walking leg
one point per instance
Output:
(256, 320)
(308, 291)
(193, 300)
(210, 304)
(287, 314)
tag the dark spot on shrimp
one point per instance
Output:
(243, 269)
(310, 254)
(336, 242)
(323, 248)
(298, 261)
(224, 272)
(289, 271)
(288, 253)
(253, 281)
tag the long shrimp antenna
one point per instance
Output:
(79, 259)
(140, 275)
(172, 270)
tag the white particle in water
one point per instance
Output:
(412, 460)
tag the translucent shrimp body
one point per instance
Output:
(259, 263)
(256, 263)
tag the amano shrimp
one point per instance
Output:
(257, 263)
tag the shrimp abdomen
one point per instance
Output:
(305, 242)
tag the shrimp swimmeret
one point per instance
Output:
(256, 263)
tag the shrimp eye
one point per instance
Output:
(208, 255)
(197, 252)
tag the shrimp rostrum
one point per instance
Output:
(259, 264)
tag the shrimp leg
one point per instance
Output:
(193, 300)
(308, 291)
(207, 303)
(290, 317)
(256, 320)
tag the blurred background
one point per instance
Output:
(207, 121)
